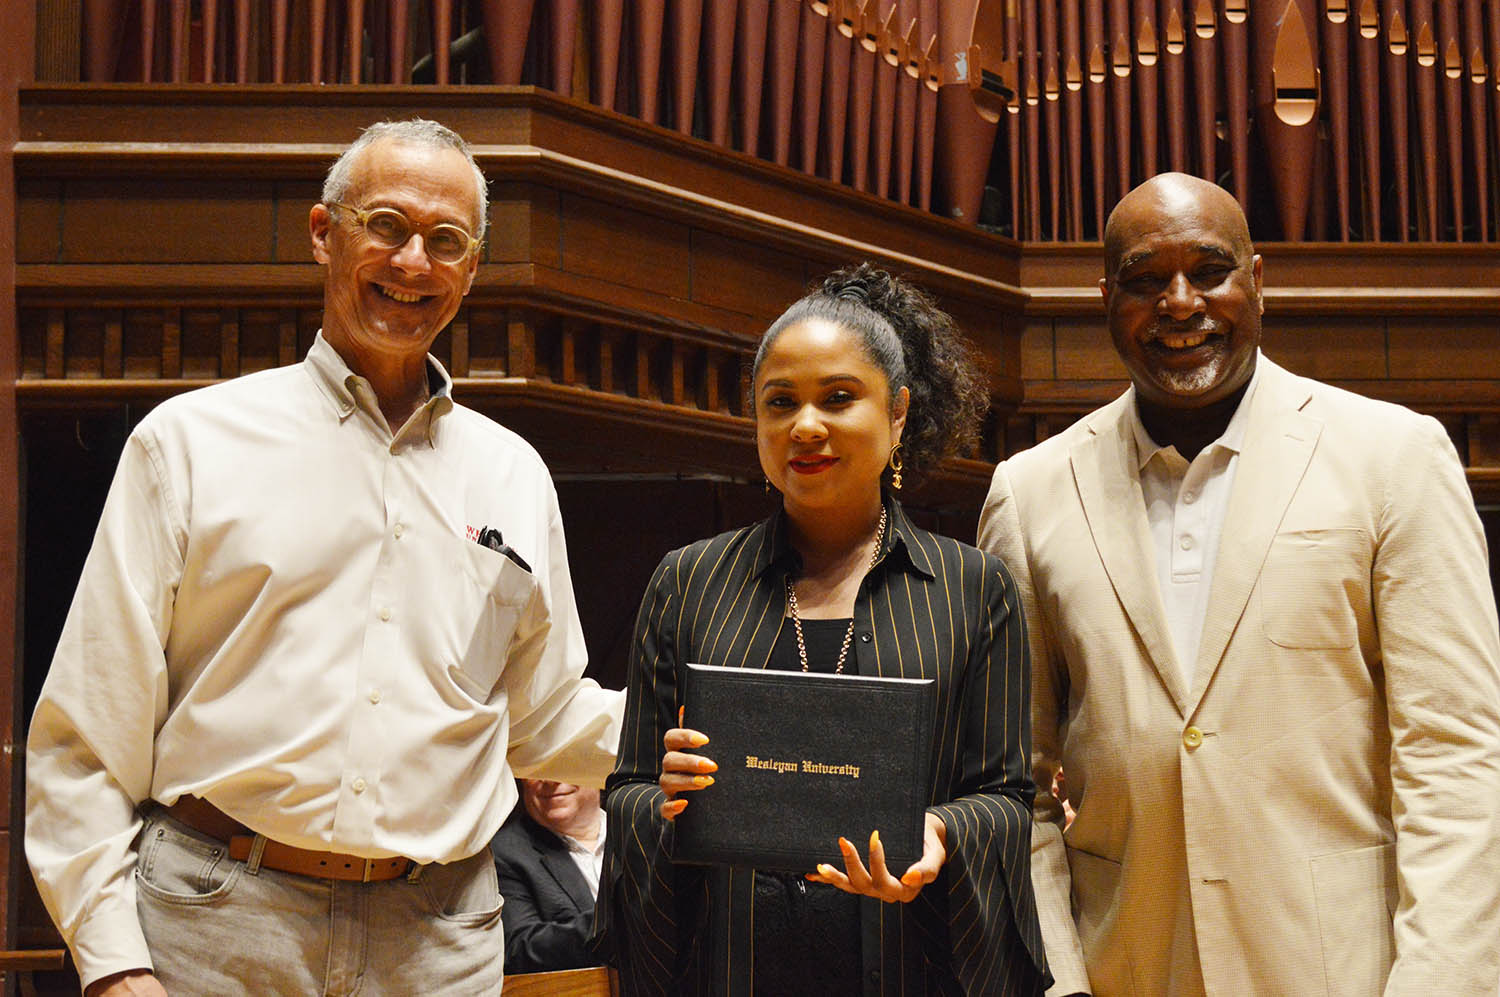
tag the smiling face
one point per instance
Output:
(825, 421)
(1183, 292)
(392, 303)
(561, 807)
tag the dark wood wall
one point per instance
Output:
(18, 17)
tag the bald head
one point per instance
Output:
(1167, 196)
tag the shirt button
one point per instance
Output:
(1187, 497)
(358, 785)
(400, 529)
(1186, 543)
(374, 695)
(1192, 738)
(385, 614)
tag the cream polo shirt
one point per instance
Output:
(286, 611)
(1186, 504)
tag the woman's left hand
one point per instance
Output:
(875, 880)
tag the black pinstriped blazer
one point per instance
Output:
(930, 607)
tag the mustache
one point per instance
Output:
(1200, 325)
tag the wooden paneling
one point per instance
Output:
(291, 202)
(1330, 349)
(1037, 351)
(38, 221)
(743, 276)
(1084, 351)
(179, 221)
(1442, 347)
(625, 246)
(16, 63)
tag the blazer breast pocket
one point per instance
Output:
(1314, 587)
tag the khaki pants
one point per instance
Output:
(216, 928)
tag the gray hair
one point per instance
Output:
(419, 132)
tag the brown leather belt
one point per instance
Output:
(205, 818)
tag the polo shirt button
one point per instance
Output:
(1192, 738)
(358, 785)
(865, 637)
(385, 614)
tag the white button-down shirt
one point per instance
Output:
(589, 858)
(286, 611)
(1186, 504)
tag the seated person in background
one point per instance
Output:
(548, 855)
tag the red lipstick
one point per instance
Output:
(813, 464)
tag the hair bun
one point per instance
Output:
(863, 283)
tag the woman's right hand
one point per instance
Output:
(682, 772)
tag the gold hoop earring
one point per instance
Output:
(895, 462)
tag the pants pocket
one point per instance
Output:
(179, 867)
(464, 892)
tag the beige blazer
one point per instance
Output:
(1318, 811)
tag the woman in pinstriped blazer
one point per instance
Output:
(858, 383)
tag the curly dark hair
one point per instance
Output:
(916, 344)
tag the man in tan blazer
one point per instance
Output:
(1264, 652)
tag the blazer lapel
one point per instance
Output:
(1110, 489)
(558, 861)
(1279, 443)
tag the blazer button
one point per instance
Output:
(1191, 738)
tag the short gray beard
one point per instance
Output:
(1191, 382)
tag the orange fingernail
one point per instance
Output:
(698, 740)
(824, 869)
(912, 879)
(707, 765)
(845, 845)
(874, 838)
(703, 780)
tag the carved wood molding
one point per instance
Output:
(629, 271)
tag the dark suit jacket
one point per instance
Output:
(548, 912)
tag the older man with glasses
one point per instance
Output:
(326, 620)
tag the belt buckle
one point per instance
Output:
(369, 868)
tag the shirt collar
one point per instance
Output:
(337, 382)
(899, 547)
(1232, 439)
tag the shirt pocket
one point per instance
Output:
(1313, 586)
(493, 597)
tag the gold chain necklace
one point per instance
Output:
(791, 601)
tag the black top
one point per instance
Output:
(931, 607)
(806, 934)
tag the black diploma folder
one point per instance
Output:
(804, 758)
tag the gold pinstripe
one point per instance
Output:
(722, 601)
